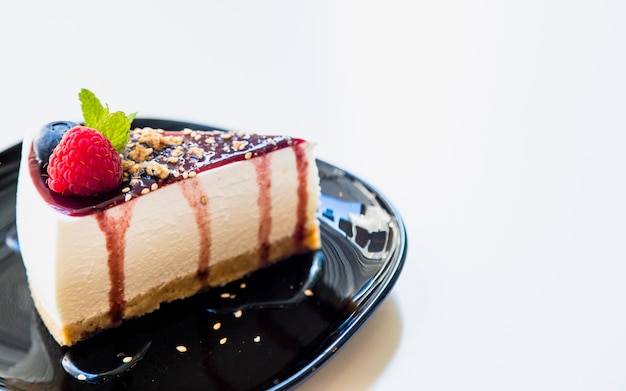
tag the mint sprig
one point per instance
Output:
(114, 126)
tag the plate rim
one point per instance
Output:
(372, 302)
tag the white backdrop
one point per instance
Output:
(495, 127)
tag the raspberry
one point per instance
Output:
(84, 163)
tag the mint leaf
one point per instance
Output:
(114, 126)
(93, 111)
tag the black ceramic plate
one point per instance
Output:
(277, 326)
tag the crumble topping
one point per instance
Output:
(156, 169)
(139, 153)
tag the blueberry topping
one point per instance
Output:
(49, 137)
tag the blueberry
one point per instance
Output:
(49, 137)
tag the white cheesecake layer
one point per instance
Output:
(67, 259)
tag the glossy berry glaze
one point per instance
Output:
(218, 147)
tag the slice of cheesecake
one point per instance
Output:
(194, 210)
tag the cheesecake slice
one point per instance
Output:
(194, 210)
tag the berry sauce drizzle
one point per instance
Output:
(264, 201)
(114, 229)
(198, 201)
(302, 165)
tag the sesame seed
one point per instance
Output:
(225, 295)
(248, 155)
(154, 186)
(192, 174)
(257, 339)
(196, 152)
(308, 292)
(203, 200)
(145, 191)
(242, 285)
(217, 326)
(226, 136)
(181, 348)
(238, 313)
(223, 341)
(81, 376)
(128, 197)
(239, 145)
(126, 189)
(127, 359)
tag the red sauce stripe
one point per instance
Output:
(302, 166)
(199, 203)
(263, 168)
(114, 230)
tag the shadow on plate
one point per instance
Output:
(361, 362)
